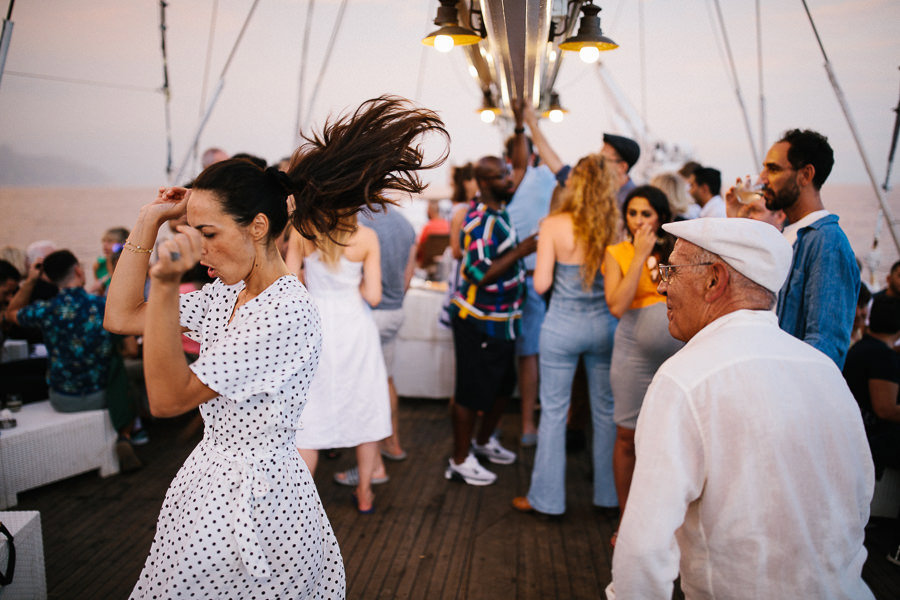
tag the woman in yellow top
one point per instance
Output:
(642, 339)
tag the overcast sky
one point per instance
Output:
(64, 133)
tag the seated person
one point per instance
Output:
(82, 354)
(872, 372)
(435, 226)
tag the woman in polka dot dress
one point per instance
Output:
(242, 519)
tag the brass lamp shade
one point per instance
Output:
(447, 20)
(555, 111)
(589, 33)
(461, 36)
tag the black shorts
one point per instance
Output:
(485, 366)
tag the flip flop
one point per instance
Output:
(350, 478)
(395, 457)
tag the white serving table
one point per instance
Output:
(424, 365)
(48, 446)
(29, 580)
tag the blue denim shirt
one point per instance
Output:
(818, 301)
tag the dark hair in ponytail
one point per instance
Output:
(356, 159)
(245, 190)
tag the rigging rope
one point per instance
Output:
(165, 86)
(218, 90)
(304, 60)
(762, 96)
(737, 85)
(88, 82)
(846, 109)
(209, 47)
(328, 53)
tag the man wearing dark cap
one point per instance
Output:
(753, 476)
(621, 151)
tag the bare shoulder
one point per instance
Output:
(557, 223)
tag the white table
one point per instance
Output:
(29, 580)
(47, 446)
(424, 365)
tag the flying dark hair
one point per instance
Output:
(58, 266)
(333, 175)
(808, 147)
(659, 202)
(356, 159)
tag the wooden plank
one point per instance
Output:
(429, 539)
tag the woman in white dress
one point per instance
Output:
(348, 398)
(242, 518)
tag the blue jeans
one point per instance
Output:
(572, 330)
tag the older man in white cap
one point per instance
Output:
(752, 463)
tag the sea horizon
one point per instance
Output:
(75, 217)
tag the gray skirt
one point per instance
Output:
(642, 344)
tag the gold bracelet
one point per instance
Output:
(136, 248)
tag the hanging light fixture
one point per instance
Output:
(555, 112)
(589, 41)
(489, 109)
(450, 33)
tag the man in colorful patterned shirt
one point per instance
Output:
(80, 351)
(485, 314)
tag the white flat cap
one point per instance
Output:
(754, 249)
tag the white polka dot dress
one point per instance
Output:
(348, 397)
(243, 519)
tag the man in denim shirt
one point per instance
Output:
(818, 301)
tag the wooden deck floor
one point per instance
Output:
(429, 538)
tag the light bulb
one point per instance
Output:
(488, 116)
(589, 54)
(556, 115)
(552, 55)
(473, 71)
(443, 43)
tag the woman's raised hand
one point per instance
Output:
(170, 203)
(177, 255)
(644, 241)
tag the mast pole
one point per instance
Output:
(6, 37)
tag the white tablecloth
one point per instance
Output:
(29, 580)
(424, 366)
(47, 446)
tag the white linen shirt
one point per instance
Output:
(752, 468)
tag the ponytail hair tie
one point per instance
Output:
(282, 179)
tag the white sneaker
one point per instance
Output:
(470, 471)
(494, 452)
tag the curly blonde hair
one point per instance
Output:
(591, 198)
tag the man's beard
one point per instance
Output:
(504, 195)
(784, 199)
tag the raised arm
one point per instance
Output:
(620, 288)
(545, 151)
(125, 306)
(172, 388)
(520, 153)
